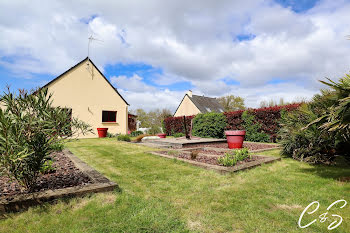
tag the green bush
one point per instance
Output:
(306, 144)
(253, 129)
(154, 130)
(30, 129)
(59, 146)
(231, 158)
(136, 133)
(110, 135)
(319, 131)
(124, 137)
(178, 135)
(209, 125)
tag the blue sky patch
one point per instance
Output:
(298, 6)
(243, 37)
(87, 20)
(149, 74)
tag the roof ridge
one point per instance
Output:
(76, 65)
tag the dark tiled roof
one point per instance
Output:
(206, 104)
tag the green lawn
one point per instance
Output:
(163, 195)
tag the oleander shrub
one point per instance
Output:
(209, 125)
(232, 157)
(31, 128)
(136, 133)
(124, 137)
(253, 128)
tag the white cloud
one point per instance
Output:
(133, 83)
(192, 41)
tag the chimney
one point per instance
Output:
(189, 93)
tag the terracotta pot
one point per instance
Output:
(102, 132)
(235, 138)
(161, 135)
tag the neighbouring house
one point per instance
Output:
(90, 97)
(194, 104)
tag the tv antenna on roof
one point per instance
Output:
(91, 38)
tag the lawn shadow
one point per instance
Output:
(339, 172)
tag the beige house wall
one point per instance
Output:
(186, 108)
(87, 93)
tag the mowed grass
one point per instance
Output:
(164, 195)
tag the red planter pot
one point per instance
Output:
(161, 135)
(102, 132)
(235, 138)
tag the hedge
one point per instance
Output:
(176, 124)
(268, 118)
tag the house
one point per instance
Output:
(90, 97)
(194, 104)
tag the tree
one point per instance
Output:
(232, 103)
(152, 118)
(30, 128)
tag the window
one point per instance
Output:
(208, 109)
(109, 116)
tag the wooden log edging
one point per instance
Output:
(24, 201)
(222, 169)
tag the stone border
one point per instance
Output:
(222, 169)
(99, 184)
(207, 147)
(179, 145)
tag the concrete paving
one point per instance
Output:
(180, 142)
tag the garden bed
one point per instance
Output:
(70, 177)
(251, 146)
(65, 174)
(208, 159)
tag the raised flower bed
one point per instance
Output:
(71, 177)
(208, 158)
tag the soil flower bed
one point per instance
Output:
(202, 158)
(70, 177)
(64, 174)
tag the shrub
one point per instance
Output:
(136, 133)
(154, 130)
(209, 125)
(253, 129)
(306, 144)
(47, 167)
(110, 135)
(176, 124)
(30, 129)
(231, 158)
(267, 117)
(59, 146)
(124, 137)
(178, 135)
